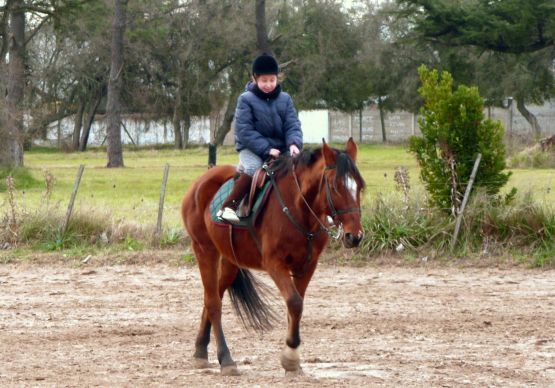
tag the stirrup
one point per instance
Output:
(229, 215)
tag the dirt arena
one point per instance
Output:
(135, 325)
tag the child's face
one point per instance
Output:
(266, 82)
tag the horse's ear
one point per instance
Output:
(329, 155)
(352, 149)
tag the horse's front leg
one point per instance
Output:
(293, 293)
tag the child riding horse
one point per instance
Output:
(291, 233)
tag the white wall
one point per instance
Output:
(315, 125)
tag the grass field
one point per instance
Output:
(132, 193)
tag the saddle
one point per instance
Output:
(258, 180)
(250, 206)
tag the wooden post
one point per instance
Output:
(465, 199)
(73, 195)
(161, 203)
(212, 150)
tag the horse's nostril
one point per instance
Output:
(352, 241)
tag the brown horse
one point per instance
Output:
(290, 234)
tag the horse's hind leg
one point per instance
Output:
(214, 287)
(200, 358)
(228, 272)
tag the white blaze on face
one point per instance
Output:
(351, 185)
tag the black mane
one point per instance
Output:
(344, 164)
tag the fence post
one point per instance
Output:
(465, 199)
(73, 195)
(162, 197)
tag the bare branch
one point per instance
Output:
(35, 30)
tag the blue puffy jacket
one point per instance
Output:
(262, 124)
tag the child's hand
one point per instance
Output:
(274, 153)
(294, 150)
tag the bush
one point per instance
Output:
(533, 157)
(454, 131)
(521, 223)
(396, 220)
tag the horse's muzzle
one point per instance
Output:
(351, 241)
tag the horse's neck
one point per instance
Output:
(311, 190)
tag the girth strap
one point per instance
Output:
(253, 235)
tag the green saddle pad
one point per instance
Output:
(224, 192)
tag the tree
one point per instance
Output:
(113, 108)
(507, 26)
(11, 154)
(392, 61)
(263, 43)
(517, 37)
(528, 78)
(323, 47)
(17, 38)
(454, 131)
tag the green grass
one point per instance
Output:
(23, 179)
(132, 193)
(124, 202)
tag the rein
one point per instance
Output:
(308, 234)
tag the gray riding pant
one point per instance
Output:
(249, 162)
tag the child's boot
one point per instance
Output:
(228, 211)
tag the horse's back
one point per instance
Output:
(200, 194)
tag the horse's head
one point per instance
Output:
(342, 184)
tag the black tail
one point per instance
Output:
(250, 301)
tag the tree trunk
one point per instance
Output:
(223, 129)
(88, 122)
(11, 146)
(113, 108)
(261, 32)
(186, 128)
(176, 120)
(178, 138)
(235, 89)
(78, 123)
(4, 25)
(382, 120)
(529, 116)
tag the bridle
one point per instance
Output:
(334, 232)
(334, 211)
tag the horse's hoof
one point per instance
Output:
(290, 359)
(229, 370)
(294, 373)
(201, 363)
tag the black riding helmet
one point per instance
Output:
(265, 64)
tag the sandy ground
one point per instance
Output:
(134, 325)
